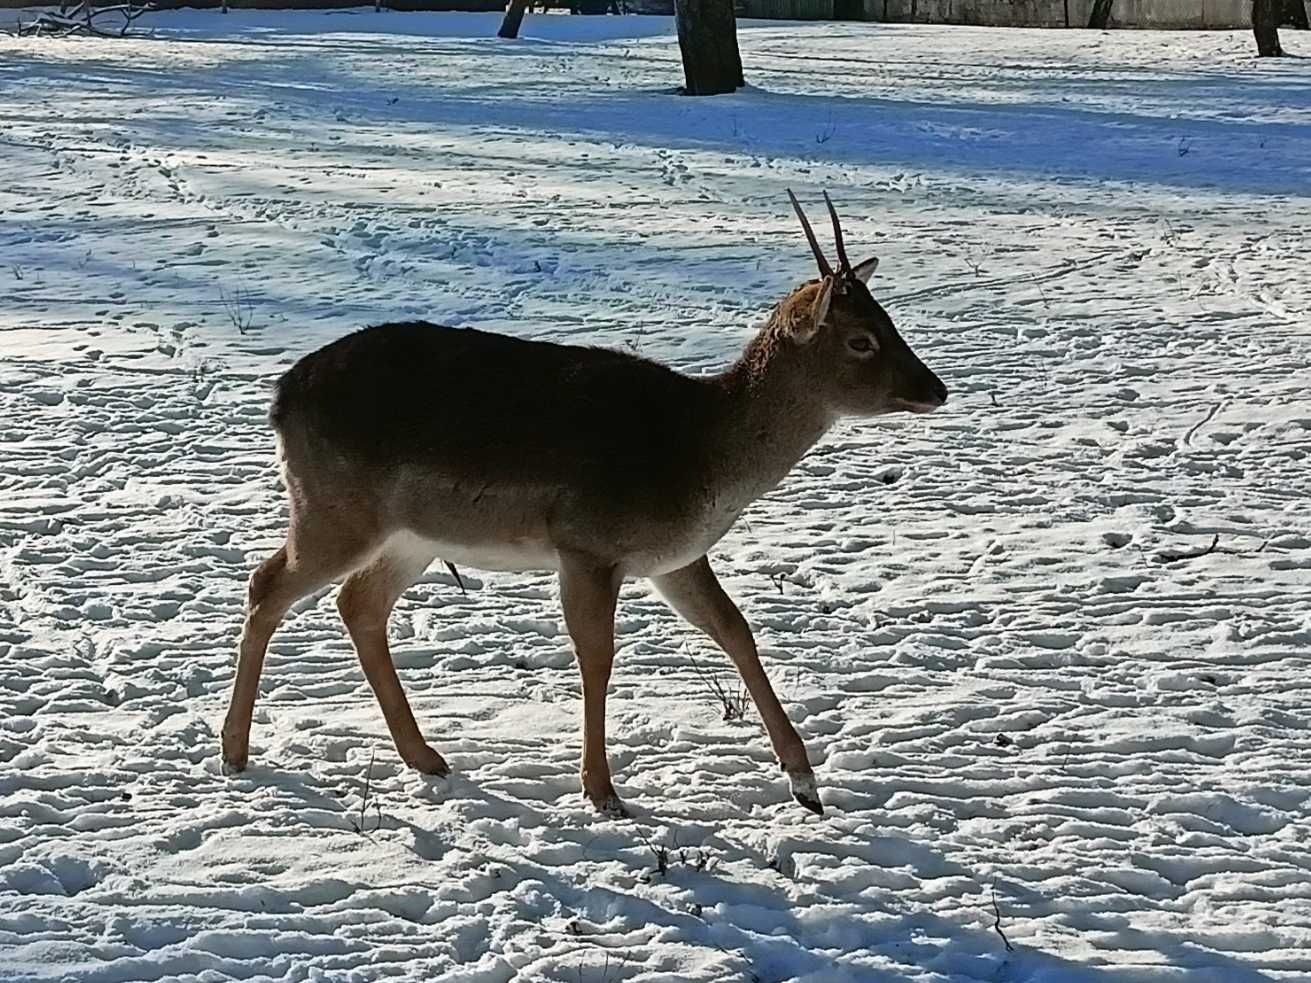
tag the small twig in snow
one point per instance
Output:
(997, 922)
(1171, 556)
(699, 863)
(239, 307)
(1188, 437)
(362, 824)
(456, 574)
(826, 134)
(975, 258)
(735, 706)
(661, 854)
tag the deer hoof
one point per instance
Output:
(607, 803)
(611, 807)
(236, 754)
(805, 792)
(429, 762)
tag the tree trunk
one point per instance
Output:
(513, 18)
(1295, 14)
(1265, 25)
(707, 37)
(1101, 15)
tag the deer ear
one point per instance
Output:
(804, 331)
(803, 320)
(863, 271)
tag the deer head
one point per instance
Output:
(854, 354)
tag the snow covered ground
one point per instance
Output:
(1027, 705)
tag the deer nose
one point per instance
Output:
(938, 389)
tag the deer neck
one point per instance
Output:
(769, 419)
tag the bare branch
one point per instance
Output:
(82, 19)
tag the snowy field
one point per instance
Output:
(1033, 698)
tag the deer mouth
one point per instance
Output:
(917, 406)
(929, 395)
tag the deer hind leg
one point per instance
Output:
(694, 592)
(310, 559)
(588, 594)
(365, 602)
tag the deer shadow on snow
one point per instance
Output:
(622, 890)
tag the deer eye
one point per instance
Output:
(862, 344)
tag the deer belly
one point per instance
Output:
(677, 549)
(505, 555)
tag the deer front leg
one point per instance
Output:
(588, 593)
(694, 592)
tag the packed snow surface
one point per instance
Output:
(1039, 702)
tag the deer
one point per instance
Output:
(408, 442)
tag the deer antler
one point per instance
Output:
(824, 268)
(845, 264)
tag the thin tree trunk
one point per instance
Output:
(1265, 25)
(513, 18)
(1101, 15)
(707, 37)
(1295, 14)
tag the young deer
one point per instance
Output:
(404, 443)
